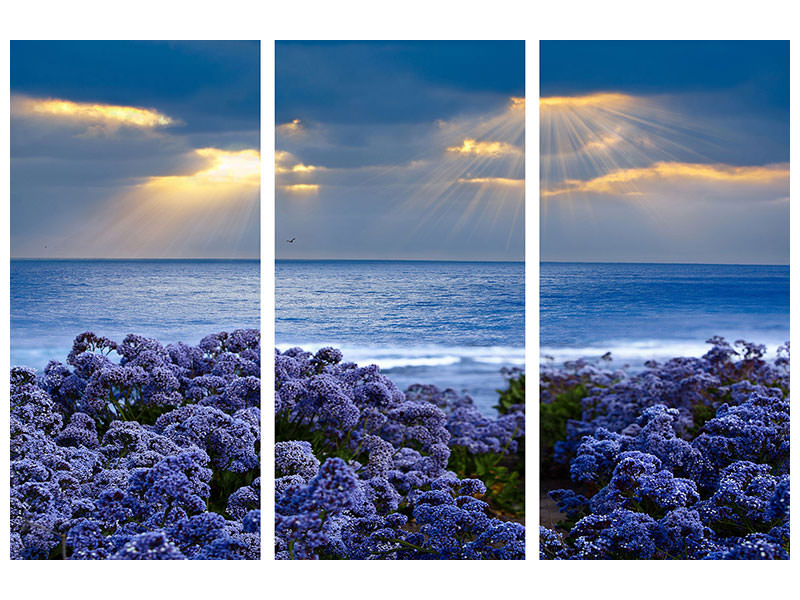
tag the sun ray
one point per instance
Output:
(219, 199)
(591, 137)
(471, 175)
(481, 176)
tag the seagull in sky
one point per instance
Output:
(291, 240)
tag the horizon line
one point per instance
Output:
(654, 262)
(588, 262)
(131, 258)
(403, 259)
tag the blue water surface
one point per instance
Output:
(52, 301)
(643, 311)
(453, 324)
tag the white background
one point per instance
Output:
(376, 20)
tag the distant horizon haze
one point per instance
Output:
(661, 262)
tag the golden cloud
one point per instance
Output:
(516, 103)
(294, 127)
(282, 156)
(471, 147)
(604, 99)
(106, 116)
(625, 181)
(240, 168)
(504, 181)
(298, 168)
(302, 188)
(284, 164)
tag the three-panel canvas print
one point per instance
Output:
(397, 425)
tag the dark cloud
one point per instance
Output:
(757, 70)
(394, 82)
(209, 86)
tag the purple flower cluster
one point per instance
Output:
(155, 456)
(687, 460)
(362, 469)
(470, 428)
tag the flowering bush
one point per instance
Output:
(364, 471)
(155, 456)
(689, 459)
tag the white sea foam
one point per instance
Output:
(431, 361)
(501, 360)
(420, 356)
(637, 351)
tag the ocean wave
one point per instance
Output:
(420, 356)
(431, 361)
(637, 351)
(517, 361)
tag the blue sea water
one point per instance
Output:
(644, 311)
(453, 324)
(52, 301)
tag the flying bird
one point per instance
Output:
(291, 240)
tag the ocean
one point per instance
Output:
(52, 301)
(452, 324)
(644, 311)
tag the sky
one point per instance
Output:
(664, 151)
(135, 149)
(400, 150)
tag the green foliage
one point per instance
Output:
(502, 474)
(553, 419)
(700, 414)
(513, 394)
(125, 404)
(322, 444)
(223, 484)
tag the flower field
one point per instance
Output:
(365, 471)
(155, 456)
(688, 459)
